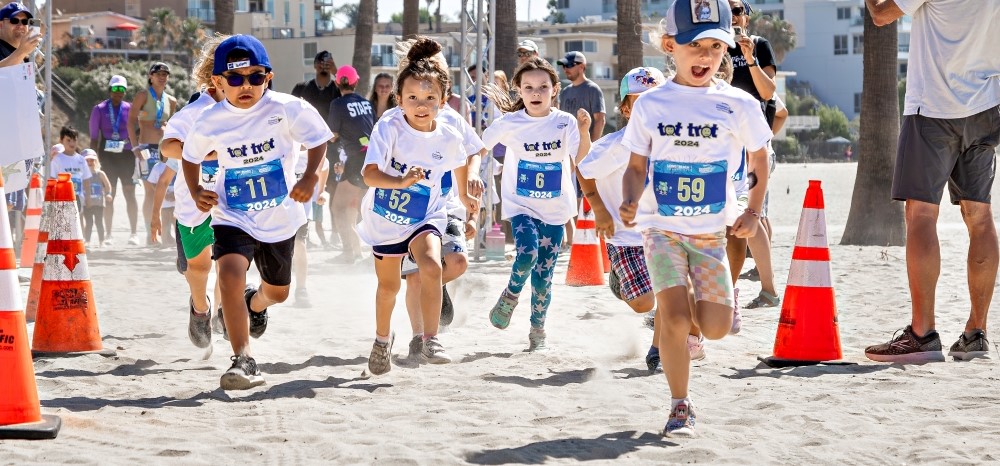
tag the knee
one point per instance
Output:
(276, 294)
(430, 269)
(643, 303)
(675, 320)
(457, 263)
(199, 266)
(388, 289)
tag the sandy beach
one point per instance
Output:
(589, 398)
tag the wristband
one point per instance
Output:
(751, 212)
(753, 64)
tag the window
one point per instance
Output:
(254, 5)
(302, 17)
(904, 42)
(270, 6)
(840, 44)
(844, 13)
(382, 55)
(288, 12)
(902, 70)
(614, 49)
(585, 46)
(309, 51)
(857, 102)
(859, 44)
(562, 4)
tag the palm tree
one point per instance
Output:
(349, 11)
(225, 15)
(159, 30)
(778, 32)
(629, 37)
(506, 36)
(437, 16)
(875, 219)
(430, 18)
(190, 36)
(411, 18)
(363, 44)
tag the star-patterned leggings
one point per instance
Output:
(537, 250)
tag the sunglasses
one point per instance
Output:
(738, 11)
(118, 89)
(525, 54)
(237, 80)
(26, 21)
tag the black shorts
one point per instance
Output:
(274, 260)
(959, 152)
(402, 248)
(120, 166)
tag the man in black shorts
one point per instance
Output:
(949, 134)
(109, 136)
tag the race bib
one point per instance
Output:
(96, 190)
(689, 189)
(446, 183)
(257, 187)
(114, 146)
(539, 180)
(403, 206)
(209, 171)
(77, 186)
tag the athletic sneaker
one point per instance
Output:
(379, 360)
(416, 346)
(433, 352)
(447, 308)
(737, 317)
(502, 310)
(650, 319)
(906, 347)
(301, 297)
(653, 359)
(219, 323)
(696, 348)
(536, 339)
(258, 320)
(242, 375)
(200, 326)
(133, 240)
(681, 421)
(615, 283)
(967, 349)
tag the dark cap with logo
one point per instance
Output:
(252, 48)
(572, 59)
(13, 9)
(159, 66)
(323, 56)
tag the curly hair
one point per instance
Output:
(203, 67)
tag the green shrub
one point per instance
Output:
(786, 149)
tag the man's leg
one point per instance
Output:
(984, 255)
(923, 262)
(131, 205)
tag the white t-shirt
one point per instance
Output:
(952, 70)
(256, 149)
(301, 162)
(694, 138)
(605, 164)
(538, 167)
(180, 124)
(390, 216)
(73, 164)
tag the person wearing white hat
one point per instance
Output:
(108, 133)
(526, 50)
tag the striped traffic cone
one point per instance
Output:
(20, 411)
(807, 331)
(32, 220)
(585, 267)
(66, 324)
(40, 248)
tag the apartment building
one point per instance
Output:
(574, 11)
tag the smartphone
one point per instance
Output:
(738, 32)
(34, 31)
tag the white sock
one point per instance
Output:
(675, 401)
(384, 340)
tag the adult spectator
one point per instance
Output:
(526, 50)
(15, 43)
(381, 96)
(319, 92)
(753, 60)
(109, 135)
(152, 108)
(582, 93)
(948, 135)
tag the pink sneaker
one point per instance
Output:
(737, 318)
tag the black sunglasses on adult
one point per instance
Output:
(738, 11)
(237, 80)
(25, 21)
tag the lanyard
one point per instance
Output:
(115, 119)
(160, 103)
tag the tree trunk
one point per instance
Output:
(506, 37)
(362, 60)
(629, 37)
(875, 219)
(411, 18)
(437, 17)
(225, 13)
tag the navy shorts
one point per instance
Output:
(402, 248)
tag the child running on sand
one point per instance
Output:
(538, 193)
(686, 137)
(255, 133)
(405, 210)
(97, 193)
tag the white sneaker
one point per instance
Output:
(433, 352)
(696, 349)
(133, 240)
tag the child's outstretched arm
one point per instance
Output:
(203, 198)
(303, 189)
(605, 224)
(748, 221)
(472, 166)
(160, 192)
(378, 179)
(632, 183)
(583, 125)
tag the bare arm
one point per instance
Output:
(160, 192)
(779, 120)
(171, 148)
(747, 223)
(597, 131)
(304, 188)
(632, 183)
(605, 224)
(582, 123)
(883, 11)
(378, 179)
(28, 45)
(132, 125)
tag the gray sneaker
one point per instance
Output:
(243, 374)
(433, 352)
(416, 346)
(967, 349)
(258, 320)
(219, 323)
(536, 339)
(200, 326)
(502, 310)
(379, 360)
(907, 348)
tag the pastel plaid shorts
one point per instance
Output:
(672, 258)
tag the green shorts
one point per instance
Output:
(195, 240)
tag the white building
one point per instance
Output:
(576, 10)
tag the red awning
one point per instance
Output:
(127, 26)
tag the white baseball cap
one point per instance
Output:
(118, 80)
(527, 44)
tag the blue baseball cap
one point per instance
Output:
(690, 20)
(257, 56)
(12, 9)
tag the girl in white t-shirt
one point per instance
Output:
(537, 186)
(405, 212)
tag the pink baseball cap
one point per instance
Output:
(349, 73)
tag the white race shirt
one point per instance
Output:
(390, 216)
(538, 166)
(256, 149)
(301, 162)
(952, 70)
(605, 164)
(185, 210)
(694, 139)
(75, 165)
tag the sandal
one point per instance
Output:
(764, 299)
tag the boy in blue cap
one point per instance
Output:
(255, 133)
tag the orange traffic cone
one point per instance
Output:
(20, 412)
(585, 266)
(40, 249)
(32, 220)
(66, 323)
(807, 331)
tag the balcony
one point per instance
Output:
(324, 27)
(206, 15)
(323, 3)
(273, 33)
(385, 59)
